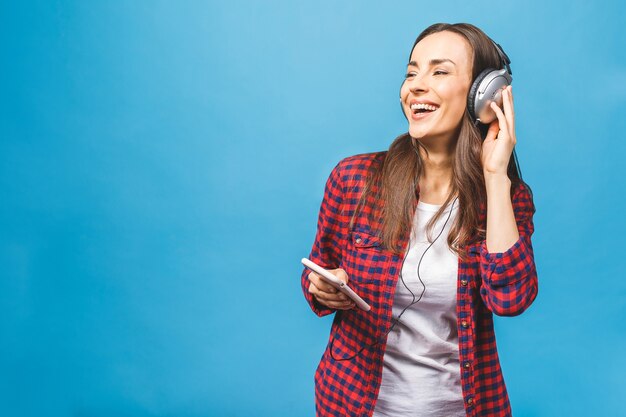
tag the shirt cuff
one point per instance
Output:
(496, 257)
(508, 267)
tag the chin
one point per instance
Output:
(432, 131)
(421, 129)
(418, 132)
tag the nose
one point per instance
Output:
(417, 83)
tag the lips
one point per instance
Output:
(421, 116)
(421, 109)
(416, 101)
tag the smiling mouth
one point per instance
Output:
(421, 110)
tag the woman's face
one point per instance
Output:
(440, 74)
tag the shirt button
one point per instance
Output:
(358, 240)
(464, 324)
(470, 401)
(466, 364)
(464, 282)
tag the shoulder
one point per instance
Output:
(349, 174)
(355, 166)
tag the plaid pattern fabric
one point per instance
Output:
(488, 283)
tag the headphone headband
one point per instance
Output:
(503, 56)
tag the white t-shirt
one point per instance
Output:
(421, 373)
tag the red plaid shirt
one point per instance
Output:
(488, 283)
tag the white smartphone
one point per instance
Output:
(337, 283)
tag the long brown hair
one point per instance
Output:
(394, 183)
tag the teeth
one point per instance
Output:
(423, 106)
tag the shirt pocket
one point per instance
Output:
(362, 240)
(367, 261)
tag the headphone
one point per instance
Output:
(487, 87)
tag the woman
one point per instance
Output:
(435, 235)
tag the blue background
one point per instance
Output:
(161, 169)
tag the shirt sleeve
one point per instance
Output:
(330, 237)
(509, 279)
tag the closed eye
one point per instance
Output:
(412, 74)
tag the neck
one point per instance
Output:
(436, 179)
(437, 158)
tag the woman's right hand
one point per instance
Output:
(328, 295)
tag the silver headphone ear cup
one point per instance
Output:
(471, 97)
(487, 89)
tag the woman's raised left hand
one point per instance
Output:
(500, 140)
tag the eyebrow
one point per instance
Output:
(435, 61)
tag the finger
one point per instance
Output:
(508, 106)
(348, 306)
(341, 274)
(330, 300)
(492, 133)
(324, 290)
(511, 95)
(501, 118)
(341, 305)
(320, 283)
(334, 297)
(512, 113)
